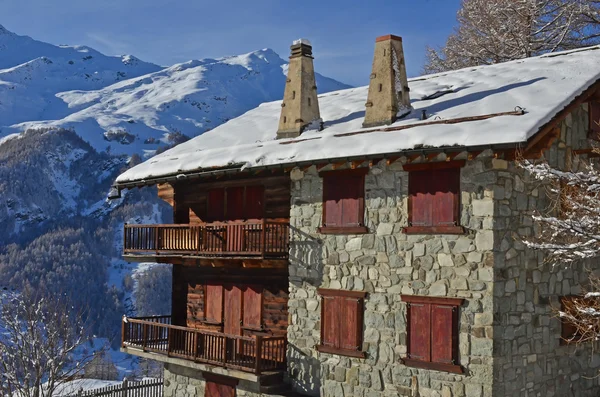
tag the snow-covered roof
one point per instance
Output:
(542, 86)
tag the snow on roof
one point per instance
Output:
(302, 41)
(542, 86)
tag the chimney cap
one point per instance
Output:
(388, 37)
(302, 41)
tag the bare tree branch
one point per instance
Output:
(39, 336)
(493, 31)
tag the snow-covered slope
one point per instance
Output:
(33, 72)
(125, 103)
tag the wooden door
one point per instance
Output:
(233, 310)
(213, 389)
(232, 321)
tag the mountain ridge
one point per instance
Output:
(126, 105)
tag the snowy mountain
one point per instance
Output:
(125, 103)
(33, 72)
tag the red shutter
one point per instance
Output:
(420, 197)
(330, 321)
(331, 201)
(233, 310)
(216, 205)
(253, 307)
(214, 303)
(442, 333)
(445, 185)
(235, 203)
(351, 315)
(212, 389)
(594, 120)
(352, 189)
(419, 334)
(255, 197)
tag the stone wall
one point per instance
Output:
(188, 382)
(509, 337)
(529, 358)
(386, 263)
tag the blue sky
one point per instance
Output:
(342, 32)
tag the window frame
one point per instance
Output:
(359, 174)
(569, 336)
(593, 109)
(453, 303)
(344, 325)
(222, 194)
(435, 229)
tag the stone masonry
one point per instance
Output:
(509, 337)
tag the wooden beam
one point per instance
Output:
(392, 160)
(431, 156)
(473, 155)
(412, 157)
(338, 165)
(434, 165)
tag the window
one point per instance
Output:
(344, 201)
(594, 112)
(235, 203)
(432, 333)
(213, 304)
(434, 198)
(342, 322)
(252, 308)
(572, 304)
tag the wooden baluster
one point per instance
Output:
(144, 336)
(263, 238)
(123, 330)
(259, 341)
(195, 345)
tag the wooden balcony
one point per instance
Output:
(255, 354)
(235, 239)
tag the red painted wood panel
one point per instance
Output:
(419, 185)
(442, 328)
(351, 315)
(253, 307)
(419, 335)
(255, 202)
(214, 303)
(212, 389)
(235, 203)
(352, 191)
(233, 310)
(332, 202)
(445, 183)
(330, 321)
(216, 205)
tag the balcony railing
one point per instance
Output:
(223, 239)
(255, 354)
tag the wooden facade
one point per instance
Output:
(229, 248)
(256, 299)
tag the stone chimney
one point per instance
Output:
(300, 106)
(388, 97)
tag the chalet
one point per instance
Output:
(368, 242)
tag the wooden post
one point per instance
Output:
(264, 237)
(124, 388)
(259, 340)
(144, 336)
(123, 328)
(125, 237)
(156, 228)
(195, 345)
